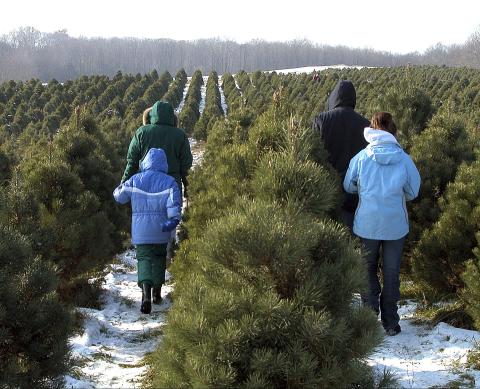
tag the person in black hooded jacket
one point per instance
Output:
(341, 129)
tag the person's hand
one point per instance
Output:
(170, 225)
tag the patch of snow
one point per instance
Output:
(238, 86)
(203, 91)
(185, 90)
(422, 357)
(117, 336)
(310, 69)
(222, 96)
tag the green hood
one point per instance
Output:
(162, 113)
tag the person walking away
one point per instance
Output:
(385, 177)
(156, 211)
(160, 131)
(341, 129)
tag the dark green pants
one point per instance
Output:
(151, 263)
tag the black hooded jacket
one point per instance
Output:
(341, 129)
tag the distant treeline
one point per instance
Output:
(28, 53)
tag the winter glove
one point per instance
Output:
(170, 225)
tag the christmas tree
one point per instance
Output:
(264, 288)
(34, 326)
(440, 256)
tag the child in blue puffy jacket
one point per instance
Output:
(156, 211)
(385, 177)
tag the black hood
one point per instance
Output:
(343, 95)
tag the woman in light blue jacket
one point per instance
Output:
(384, 177)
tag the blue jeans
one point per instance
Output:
(392, 251)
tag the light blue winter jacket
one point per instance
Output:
(385, 177)
(155, 199)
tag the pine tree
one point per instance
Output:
(438, 152)
(264, 288)
(439, 259)
(34, 326)
(5, 167)
(269, 305)
(411, 108)
(72, 220)
(470, 295)
(298, 173)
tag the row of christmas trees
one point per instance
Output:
(265, 282)
(59, 226)
(437, 113)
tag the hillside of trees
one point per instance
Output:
(28, 53)
(248, 311)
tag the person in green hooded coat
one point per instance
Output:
(160, 131)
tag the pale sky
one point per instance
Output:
(397, 26)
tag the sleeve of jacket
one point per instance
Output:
(412, 186)
(133, 158)
(350, 182)
(123, 193)
(174, 204)
(186, 158)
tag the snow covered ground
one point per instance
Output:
(185, 90)
(422, 357)
(223, 101)
(116, 337)
(203, 91)
(110, 351)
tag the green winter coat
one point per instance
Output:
(160, 133)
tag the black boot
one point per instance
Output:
(146, 306)
(157, 295)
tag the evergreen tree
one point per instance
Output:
(72, 220)
(440, 255)
(190, 112)
(410, 107)
(5, 167)
(438, 152)
(471, 277)
(264, 289)
(34, 326)
(269, 305)
(213, 108)
(297, 173)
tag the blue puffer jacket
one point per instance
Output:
(385, 177)
(155, 199)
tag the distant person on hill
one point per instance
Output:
(341, 129)
(156, 211)
(385, 177)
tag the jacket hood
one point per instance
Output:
(155, 160)
(162, 113)
(344, 95)
(383, 146)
